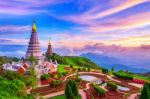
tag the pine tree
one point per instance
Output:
(68, 91)
(70, 83)
(75, 89)
(145, 93)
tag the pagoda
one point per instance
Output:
(34, 47)
(49, 49)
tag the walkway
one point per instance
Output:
(133, 96)
(136, 85)
(109, 77)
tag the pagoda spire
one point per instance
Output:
(49, 43)
(34, 27)
(34, 46)
(49, 49)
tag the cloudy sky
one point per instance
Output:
(117, 28)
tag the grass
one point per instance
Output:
(141, 77)
(63, 97)
(59, 97)
(136, 76)
(61, 69)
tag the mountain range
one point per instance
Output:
(109, 62)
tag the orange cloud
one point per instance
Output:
(130, 41)
(124, 5)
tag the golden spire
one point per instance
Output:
(49, 41)
(34, 26)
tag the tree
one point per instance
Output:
(145, 93)
(72, 87)
(15, 59)
(32, 59)
(68, 91)
(104, 70)
(75, 89)
(112, 69)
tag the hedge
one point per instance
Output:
(112, 85)
(100, 91)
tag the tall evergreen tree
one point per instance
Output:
(75, 89)
(68, 91)
(145, 93)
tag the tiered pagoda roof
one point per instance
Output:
(34, 47)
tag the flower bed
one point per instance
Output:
(45, 82)
(88, 95)
(138, 81)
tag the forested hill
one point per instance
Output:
(5, 59)
(74, 60)
(66, 60)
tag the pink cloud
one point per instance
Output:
(94, 13)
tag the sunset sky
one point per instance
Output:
(117, 28)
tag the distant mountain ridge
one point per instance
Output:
(109, 62)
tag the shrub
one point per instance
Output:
(100, 91)
(64, 73)
(89, 69)
(104, 70)
(71, 66)
(55, 83)
(78, 79)
(79, 69)
(83, 69)
(45, 76)
(112, 85)
(60, 75)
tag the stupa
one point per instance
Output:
(34, 46)
(49, 49)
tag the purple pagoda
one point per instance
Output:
(34, 47)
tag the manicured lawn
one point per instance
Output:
(59, 97)
(136, 76)
(141, 77)
(63, 97)
(61, 69)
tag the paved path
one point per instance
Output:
(109, 77)
(136, 85)
(133, 96)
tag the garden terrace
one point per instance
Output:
(51, 89)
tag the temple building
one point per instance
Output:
(49, 67)
(34, 47)
(49, 49)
